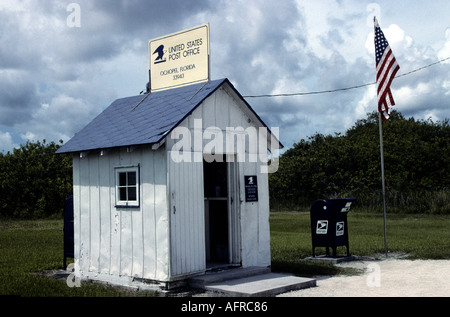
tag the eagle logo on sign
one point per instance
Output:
(160, 51)
(340, 228)
(322, 227)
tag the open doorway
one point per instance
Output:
(221, 213)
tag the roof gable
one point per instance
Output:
(142, 119)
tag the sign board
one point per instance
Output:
(251, 188)
(179, 59)
(322, 227)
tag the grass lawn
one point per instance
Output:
(30, 247)
(421, 236)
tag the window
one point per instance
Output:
(127, 187)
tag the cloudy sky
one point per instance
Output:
(63, 62)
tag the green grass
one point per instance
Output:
(421, 237)
(28, 248)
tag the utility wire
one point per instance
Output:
(343, 89)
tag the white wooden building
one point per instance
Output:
(151, 202)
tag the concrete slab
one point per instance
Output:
(226, 275)
(249, 282)
(234, 282)
(263, 285)
(332, 260)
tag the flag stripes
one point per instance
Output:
(386, 69)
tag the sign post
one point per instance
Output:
(179, 59)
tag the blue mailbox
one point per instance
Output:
(329, 224)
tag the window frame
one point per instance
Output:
(127, 203)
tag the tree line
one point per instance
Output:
(416, 160)
(34, 181)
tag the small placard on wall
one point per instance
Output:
(251, 188)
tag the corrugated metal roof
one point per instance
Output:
(142, 119)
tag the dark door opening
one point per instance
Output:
(216, 212)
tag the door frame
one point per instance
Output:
(233, 212)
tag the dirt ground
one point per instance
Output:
(385, 278)
(394, 276)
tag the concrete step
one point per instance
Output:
(250, 282)
(225, 275)
(264, 285)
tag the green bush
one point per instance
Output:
(34, 181)
(417, 167)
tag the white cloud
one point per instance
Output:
(61, 118)
(398, 40)
(6, 142)
(444, 52)
(54, 79)
(410, 95)
(419, 94)
(367, 103)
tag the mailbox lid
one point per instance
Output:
(340, 204)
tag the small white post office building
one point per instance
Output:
(160, 191)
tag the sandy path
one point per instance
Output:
(387, 278)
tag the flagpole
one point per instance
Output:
(385, 99)
(380, 121)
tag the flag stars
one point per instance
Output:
(380, 44)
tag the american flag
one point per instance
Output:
(387, 67)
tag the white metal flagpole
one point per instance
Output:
(386, 68)
(380, 121)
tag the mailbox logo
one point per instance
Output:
(322, 227)
(340, 228)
